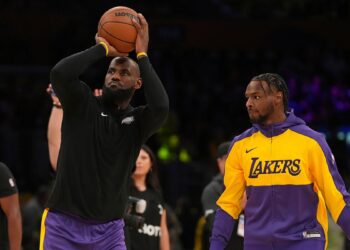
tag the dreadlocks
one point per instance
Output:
(278, 83)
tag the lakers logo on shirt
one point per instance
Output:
(259, 167)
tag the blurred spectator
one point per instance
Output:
(32, 211)
(10, 214)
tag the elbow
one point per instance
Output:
(164, 107)
(163, 112)
(56, 75)
(59, 74)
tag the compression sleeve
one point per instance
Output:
(222, 230)
(157, 107)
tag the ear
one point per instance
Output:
(138, 83)
(279, 97)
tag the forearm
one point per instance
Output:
(222, 230)
(54, 135)
(344, 221)
(156, 96)
(14, 227)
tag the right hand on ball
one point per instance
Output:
(142, 39)
(113, 52)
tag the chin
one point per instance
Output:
(252, 119)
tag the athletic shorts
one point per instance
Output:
(306, 244)
(60, 231)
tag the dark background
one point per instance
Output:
(205, 52)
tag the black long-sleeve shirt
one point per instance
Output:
(99, 148)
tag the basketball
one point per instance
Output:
(117, 28)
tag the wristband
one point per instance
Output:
(141, 54)
(58, 106)
(106, 47)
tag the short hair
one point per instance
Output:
(223, 149)
(125, 59)
(277, 82)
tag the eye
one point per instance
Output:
(257, 97)
(125, 73)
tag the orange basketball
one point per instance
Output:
(117, 28)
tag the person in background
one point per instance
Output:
(289, 174)
(174, 228)
(10, 212)
(31, 211)
(100, 141)
(153, 235)
(211, 194)
(55, 124)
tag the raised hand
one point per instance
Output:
(142, 39)
(112, 52)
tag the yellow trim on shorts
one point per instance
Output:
(43, 229)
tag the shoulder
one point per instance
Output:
(249, 132)
(313, 135)
(7, 182)
(214, 187)
(240, 140)
(4, 170)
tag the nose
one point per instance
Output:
(248, 103)
(116, 76)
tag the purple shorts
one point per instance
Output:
(62, 231)
(306, 244)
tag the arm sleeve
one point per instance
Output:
(231, 199)
(157, 107)
(65, 75)
(222, 230)
(230, 202)
(330, 183)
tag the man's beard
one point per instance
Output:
(258, 119)
(114, 97)
(262, 119)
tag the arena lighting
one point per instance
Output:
(163, 153)
(341, 135)
(347, 140)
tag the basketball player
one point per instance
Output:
(101, 139)
(10, 213)
(289, 173)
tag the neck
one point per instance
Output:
(277, 118)
(122, 105)
(140, 182)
